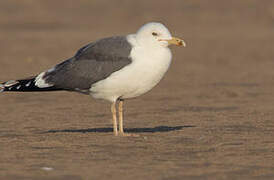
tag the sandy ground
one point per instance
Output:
(211, 117)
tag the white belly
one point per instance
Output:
(146, 70)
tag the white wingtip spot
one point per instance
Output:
(18, 87)
(40, 82)
(27, 85)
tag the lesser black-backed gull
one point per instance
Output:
(113, 69)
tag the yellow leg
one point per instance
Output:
(121, 128)
(114, 118)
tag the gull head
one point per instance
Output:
(156, 34)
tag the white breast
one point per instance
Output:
(147, 69)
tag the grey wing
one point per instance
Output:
(92, 63)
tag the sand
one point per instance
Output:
(211, 117)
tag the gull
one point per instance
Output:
(113, 69)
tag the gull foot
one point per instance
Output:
(128, 134)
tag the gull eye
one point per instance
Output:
(154, 34)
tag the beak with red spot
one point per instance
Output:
(175, 41)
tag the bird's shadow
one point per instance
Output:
(128, 130)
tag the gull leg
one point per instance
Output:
(114, 118)
(121, 128)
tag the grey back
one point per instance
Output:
(92, 63)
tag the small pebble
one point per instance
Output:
(47, 168)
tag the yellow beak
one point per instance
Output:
(176, 41)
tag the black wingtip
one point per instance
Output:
(24, 85)
(5, 85)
